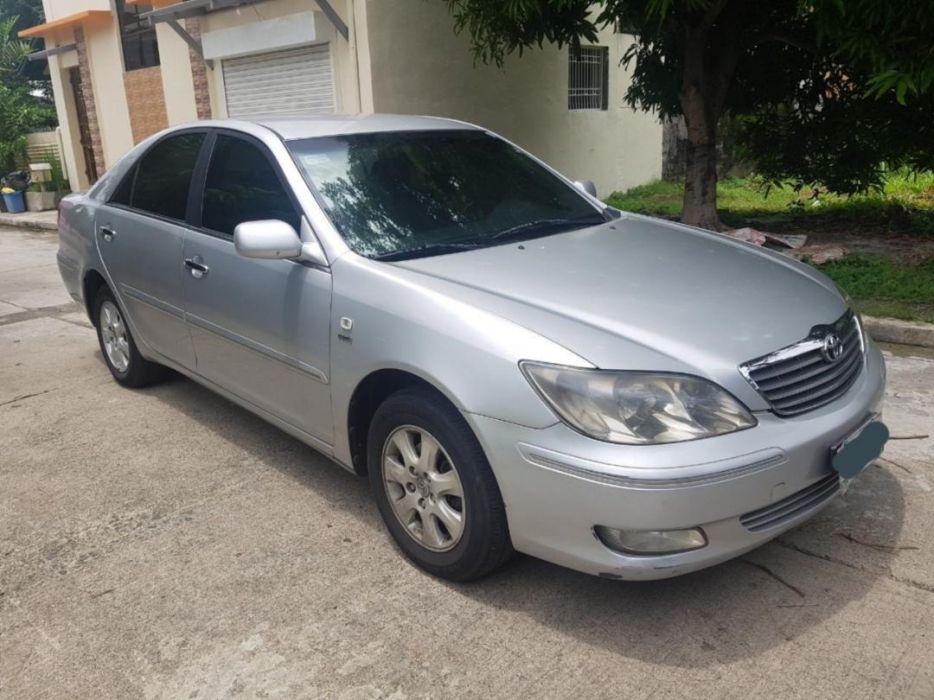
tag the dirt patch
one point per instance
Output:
(904, 248)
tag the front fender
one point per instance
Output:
(469, 354)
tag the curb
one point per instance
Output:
(890, 330)
(34, 224)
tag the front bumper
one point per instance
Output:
(557, 484)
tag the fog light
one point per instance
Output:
(651, 541)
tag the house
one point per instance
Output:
(122, 70)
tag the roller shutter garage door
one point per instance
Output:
(294, 81)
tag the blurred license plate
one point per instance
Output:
(859, 450)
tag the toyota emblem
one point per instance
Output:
(832, 348)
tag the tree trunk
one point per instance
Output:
(700, 179)
(711, 52)
(700, 120)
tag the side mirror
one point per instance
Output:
(586, 186)
(268, 239)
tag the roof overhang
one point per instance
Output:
(196, 8)
(54, 51)
(67, 22)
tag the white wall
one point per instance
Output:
(55, 9)
(419, 66)
(177, 84)
(105, 58)
(360, 46)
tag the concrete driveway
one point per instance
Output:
(165, 543)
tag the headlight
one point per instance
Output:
(638, 408)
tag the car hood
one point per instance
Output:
(644, 293)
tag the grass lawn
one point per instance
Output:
(890, 235)
(906, 205)
(880, 286)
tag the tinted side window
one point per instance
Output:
(165, 175)
(242, 186)
(125, 189)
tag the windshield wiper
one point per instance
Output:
(425, 250)
(546, 225)
(527, 229)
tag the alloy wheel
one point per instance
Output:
(423, 488)
(114, 336)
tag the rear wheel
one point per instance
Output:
(123, 360)
(434, 487)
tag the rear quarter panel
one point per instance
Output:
(77, 251)
(77, 247)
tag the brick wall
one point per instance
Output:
(146, 101)
(87, 89)
(199, 72)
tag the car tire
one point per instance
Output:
(118, 347)
(416, 417)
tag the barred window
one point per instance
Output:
(588, 77)
(140, 49)
(624, 26)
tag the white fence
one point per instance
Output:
(41, 145)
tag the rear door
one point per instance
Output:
(141, 233)
(260, 327)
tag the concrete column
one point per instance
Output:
(176, 75)
(72, 154)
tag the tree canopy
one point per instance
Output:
(22, 14)
(25, 103)
(825, 92)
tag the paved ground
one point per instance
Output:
(164, 543)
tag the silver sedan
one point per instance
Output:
(514, 365)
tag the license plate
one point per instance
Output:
(859, 450)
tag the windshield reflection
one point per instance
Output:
(393, 193)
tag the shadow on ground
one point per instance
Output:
(733, 611)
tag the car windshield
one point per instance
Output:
(396, 195)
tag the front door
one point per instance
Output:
(260, 327)
(141, 234)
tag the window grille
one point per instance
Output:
(588, 77)
(140, 49)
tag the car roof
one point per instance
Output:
(286, 129)
(304, 127)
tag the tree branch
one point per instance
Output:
(711, 15)
(789, 40)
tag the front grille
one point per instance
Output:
(801, 377)
(797, 503)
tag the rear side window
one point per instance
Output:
(164, 175)
(243, 186)
(124, 190)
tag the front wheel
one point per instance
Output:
(434, 487)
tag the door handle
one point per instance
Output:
(196, 267)
(107, 233)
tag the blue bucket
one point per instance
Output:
(14, 202)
